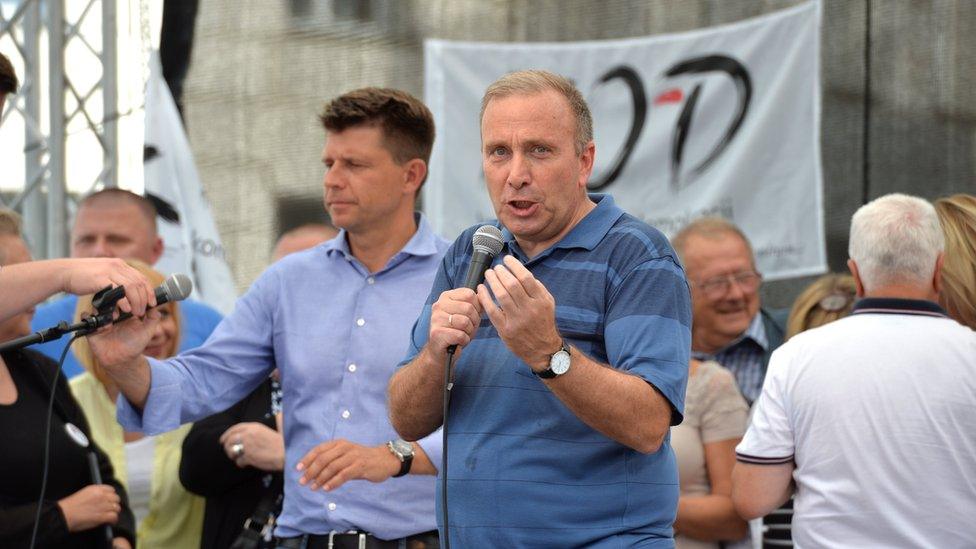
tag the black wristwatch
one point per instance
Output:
(558, 363)
(403, 450)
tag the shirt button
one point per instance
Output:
(352, 367)
(360, 322)
(345, 414)
(332, 506)
(370, 280)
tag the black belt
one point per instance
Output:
(424, 540)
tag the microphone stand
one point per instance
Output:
(104, 302)
(86, 326)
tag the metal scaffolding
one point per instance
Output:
(42, 31)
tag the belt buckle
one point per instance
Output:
(262, 530)
(360, 538)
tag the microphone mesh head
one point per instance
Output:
(488, 239)
(178, 287)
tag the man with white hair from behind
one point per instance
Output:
(872, 418)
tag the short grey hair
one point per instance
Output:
(895, 239)
(710, 227)
(528, 82)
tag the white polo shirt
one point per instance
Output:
(878, 413)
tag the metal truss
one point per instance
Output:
(75, 106)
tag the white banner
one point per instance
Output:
(192, 243)
(719, 121)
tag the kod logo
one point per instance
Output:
(682, 84)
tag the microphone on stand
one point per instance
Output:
(176, 287)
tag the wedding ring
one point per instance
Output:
(237, 449)
(450, 320)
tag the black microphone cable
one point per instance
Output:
(486, 243)
(47, 440)
(447, 403)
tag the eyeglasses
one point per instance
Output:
(718, 286)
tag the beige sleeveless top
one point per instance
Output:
(714, 411)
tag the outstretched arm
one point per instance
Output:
(24, 285)
(118, 348)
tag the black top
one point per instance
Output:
(232, 492)
(21, 460)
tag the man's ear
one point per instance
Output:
(587, 158)
(415, 171)
(858, 285)
(937, 275)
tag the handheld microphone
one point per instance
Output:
(80, 439)
(487, 243)
(176, 287)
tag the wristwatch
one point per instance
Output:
(558, 363)
(403, 451)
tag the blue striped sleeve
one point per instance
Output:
(648, 328)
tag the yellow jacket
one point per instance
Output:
(175, 516)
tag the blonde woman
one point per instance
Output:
(166, 514)
(957, 214)
(826, 299)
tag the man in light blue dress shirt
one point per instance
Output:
(335, 320)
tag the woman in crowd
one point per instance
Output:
(704, 445)
(166, 514)
(825, 300)
(957, 214)
(73, 512)
(235, 460)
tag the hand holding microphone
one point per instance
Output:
(122, 340)
(89, 275)
(456, 314)
(175, 288)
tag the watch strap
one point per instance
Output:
(545, 374)
(406, 460)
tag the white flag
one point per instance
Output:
(718, 121)
(192, 243)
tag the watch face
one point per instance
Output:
(559, 363)
(402, 448)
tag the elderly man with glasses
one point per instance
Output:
(728, 323)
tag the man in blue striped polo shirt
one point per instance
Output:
(565, 389)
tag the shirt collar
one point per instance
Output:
(422, 243)
(756, 332)
(898, 306)
(587, 233)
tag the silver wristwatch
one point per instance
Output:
(403, 451)
(558, 363)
